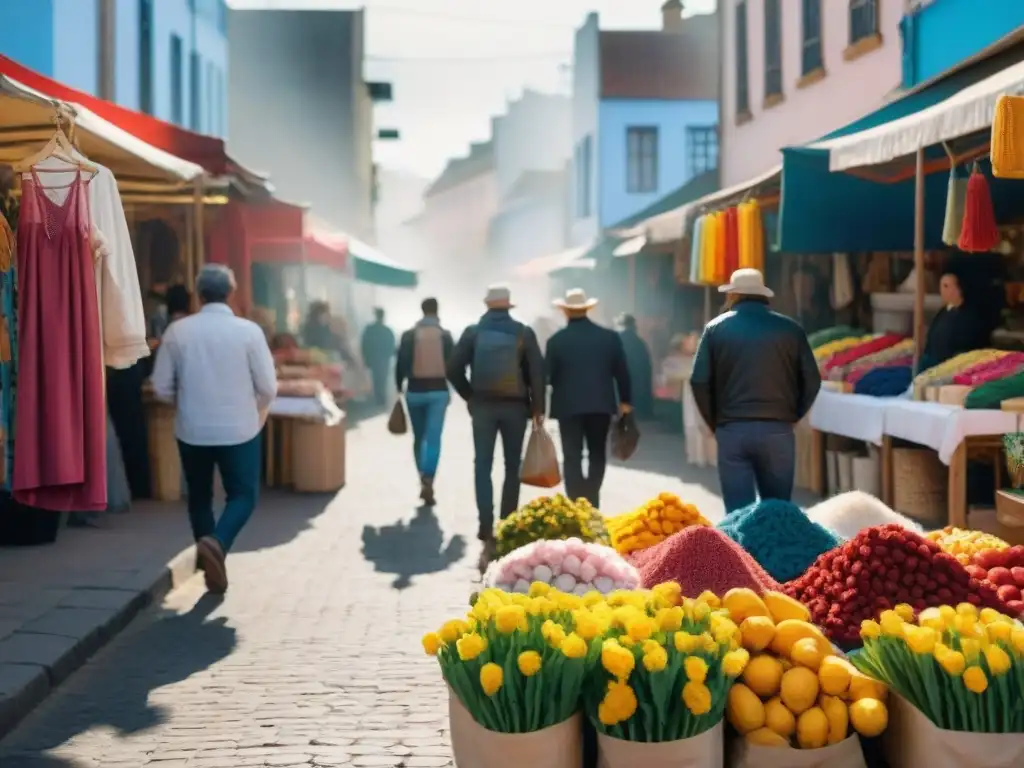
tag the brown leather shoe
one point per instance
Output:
(210, 560)
(488, 553)
(427, 491)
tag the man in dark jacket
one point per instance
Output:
(378, 347)
(423, 355)
(505, 387)
(585, 365)
(754, 377)
(641, 369)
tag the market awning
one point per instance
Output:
(545, 265)
(372, 266)
(697, 187)
(27, 123)
(631, 247)
(326, 248)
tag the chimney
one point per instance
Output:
(672, 16)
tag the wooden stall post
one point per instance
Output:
(919, 282)
(198, 212)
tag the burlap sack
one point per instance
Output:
(703, 751)
(473, 746)
(845, 754)
(913, 741)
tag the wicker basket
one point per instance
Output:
(318, 456)
(920, 486)
(164, 461)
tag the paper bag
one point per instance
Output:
(540, 464)
(703, 751)
(914, 741)
(845, 754)
(396, 421)
(473, 746)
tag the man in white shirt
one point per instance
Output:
(218, 370)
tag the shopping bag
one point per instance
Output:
(625, 437)
(540, 465)
(702, 751)
(913, 740)
(397, 423)
(845, 754)
(473, 746)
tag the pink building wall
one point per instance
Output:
(851, 87)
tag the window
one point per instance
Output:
(863, 19)
(146, 56)
(641, 160)
(811, 60)
(583, 159)
(177, 82)
(195, 76)
(742, 65)
(772, 49)
(701, 149)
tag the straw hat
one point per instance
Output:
(575, 298)
(498, 297)
(749, 282)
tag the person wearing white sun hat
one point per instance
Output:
(590, 383)
(754, 377)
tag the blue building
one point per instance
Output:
(167, 58)
(645, 116)
(941, 34)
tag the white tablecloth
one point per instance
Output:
(943, 427)
(861, 417)
(320, 407)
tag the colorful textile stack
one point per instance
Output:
(839, 361)
(724, 241)
(888, 381)
(898, 354)
(992, 394)
(993, 370)
(823, 353)
(944, 373)
(828, 335)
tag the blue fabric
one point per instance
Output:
(755, 458)
(490, 419)
(426, 413)
(885, 382)
(239, 467)
(9, 371)
(780, 536)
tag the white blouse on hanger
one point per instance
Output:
(122, 317)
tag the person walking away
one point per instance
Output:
(754, 377)
(504, 389)
(218, 370)
(423, 355)
(641, 369)
(586, 363)
(378, 348)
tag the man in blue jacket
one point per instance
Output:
(754, 377)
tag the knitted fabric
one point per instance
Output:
(854, 353)
(1007, 148)
(991, 370)
(828, 335)
(890, 381)
(992, 394)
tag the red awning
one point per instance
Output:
(207, 151)
(326, 249)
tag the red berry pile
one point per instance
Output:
(1004, 571)
(702, 559)
(875, 571)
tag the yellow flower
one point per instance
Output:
(539, 589)
(953, 662)
(586, 624)
(998, 660)
(970, 648)
(508, 618)
(655, 659)
(553, 633)
(574, 646)
(470, 646)
(670, 619)
(870, 630)
(696, 669)
(1017, 638)
(905, 612)
(491, 678)
(431, 643)
(932, 617)
(697, 698)
(892, 624)
(710, 598)
(453, 630)
(722, 627)
(1000, 630)
(975, 680)
(991, 615)
(529, 663)
(967, 609)
(734, 662)
(640, 628)
(685, 642)
(700, 610)
(617, 660)
(621, 700)
(921, 639)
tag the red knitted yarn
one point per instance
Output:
(979, 233)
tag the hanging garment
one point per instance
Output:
(756, 236)
(732, 241)
(719, 277)
(842, 281)
(956, 202)
(60, 451)
(979, 233)
(707, 262)
(696, 250)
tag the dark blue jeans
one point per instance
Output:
(239, 467)
(755, 459)
(491, 419)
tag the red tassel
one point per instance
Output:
(979, 233)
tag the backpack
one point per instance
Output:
(496, 367)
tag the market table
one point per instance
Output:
(858, 417)
(288, 426)
(955, 434)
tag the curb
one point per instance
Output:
(25, 684)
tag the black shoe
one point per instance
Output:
(427, 491)
(488, 553)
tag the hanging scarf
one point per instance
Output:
(732, 241)
(696, 249)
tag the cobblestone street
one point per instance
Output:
(313, 658)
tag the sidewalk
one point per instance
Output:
(60, 603)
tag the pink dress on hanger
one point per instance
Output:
(60, 429)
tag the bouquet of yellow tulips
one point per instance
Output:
(963, 669)
(550, 517)
(517, 662)
(666, 664)
(652, 522)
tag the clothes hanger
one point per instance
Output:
(58, 148)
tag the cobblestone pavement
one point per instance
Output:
(313, 657)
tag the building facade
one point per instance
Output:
(940, 34)
(315, 135)
(644, 116)
(795, 70)
(167, 58)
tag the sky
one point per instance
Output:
(455, 63)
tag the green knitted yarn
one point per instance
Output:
(828, 335)
(992, 393)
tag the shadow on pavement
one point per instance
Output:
(411, 549)
(279, 518)
(161, 652)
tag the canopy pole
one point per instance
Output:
(919, 282)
